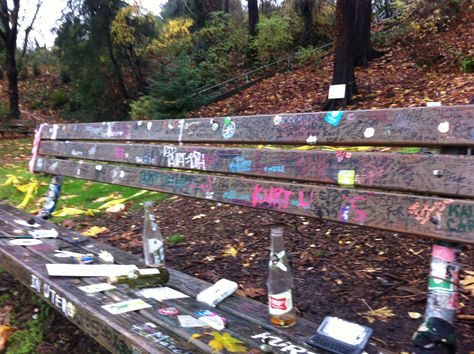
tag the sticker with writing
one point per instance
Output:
(334, 117)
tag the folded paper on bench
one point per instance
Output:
(89, 270)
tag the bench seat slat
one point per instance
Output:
(114, 335)
(243, 316)
(422, 126)
(433, 217)
(426, 173)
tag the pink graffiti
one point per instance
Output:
(274, 196)
(305, 204)
(119, 152)
(361, 215)
(342, 155)
(423, 213)
(205, 187)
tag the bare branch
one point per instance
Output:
(29, 28)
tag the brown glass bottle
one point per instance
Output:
(280, 283)
(142, 278)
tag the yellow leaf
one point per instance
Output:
(30, 189)
(5, 333)
(381, 314)
(468, 283)
(94, 230)
(115, 208)
(108, 197)
(231, 251)
(11, 181)
(245, 263)
(68, 212)
(414, 315)
(226, 341)
(210, 258)
(113, 203)
(196, 336)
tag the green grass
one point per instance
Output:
(75, 193)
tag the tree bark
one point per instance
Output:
(344, 62)
(8, 33)
(305, 8)
(253, 17)
(226, 6)
(363, 50)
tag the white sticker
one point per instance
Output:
(54, 132)
(433, 104)
(337, 91)
(311, 140)
(139, 123)
(126, 306)
(369, 132)
(190, 321)
(98, 167)
(149, 125)
(95, 288)
(25, 242)
(443, 127)
(277, 120)
(25, 223)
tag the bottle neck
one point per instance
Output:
(277, 244)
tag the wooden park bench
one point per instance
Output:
(16, 128)
(428, 195)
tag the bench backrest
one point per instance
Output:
(220, 159)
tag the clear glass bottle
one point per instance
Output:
(153, 244)
(142, 278)
(280, 283)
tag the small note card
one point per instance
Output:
(89, 270)
(126, 306)
(337, 91)
(95, 288)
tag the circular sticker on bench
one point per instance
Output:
(168, 311)
(25, 242)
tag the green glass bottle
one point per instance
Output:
(142, 278)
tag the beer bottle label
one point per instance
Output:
(280, 304)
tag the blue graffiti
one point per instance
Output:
(239, 164)
(279, 169)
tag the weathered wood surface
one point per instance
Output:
(434, 217)
(421, 126)
(116, 333)
(248, 320)
(425, 173)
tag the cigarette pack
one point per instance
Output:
(217, 292)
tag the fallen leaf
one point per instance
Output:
(11, 181)
(200, 216)
(414, 315)
(251, 292)
(210, 258)
(382, 314)
(113, 195)
(115, 208)
(468, 283)
(196, 336)
(226, 341)
(94, 230)
(5, 333)
(231, 251)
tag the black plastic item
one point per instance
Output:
(323, 339)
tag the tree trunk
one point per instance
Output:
(253, 17)
(363, 50)
(8, 32)
(344, 62)
(305, 8)
(226, 6)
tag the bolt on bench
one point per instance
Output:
(428, 195)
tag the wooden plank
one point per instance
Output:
(247, 309)
(428, 173)
(239, 327)
(422, 126)
(433, 217)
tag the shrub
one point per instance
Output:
(59, 98)
(36, 69)
(467, 64)
(309, 56)
(273, 39)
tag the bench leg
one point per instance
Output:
(436, 333)
(52, 196)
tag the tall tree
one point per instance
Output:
(305, 9)
(344, 61)
(8, 33)
(363, 50)
(253, 17)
